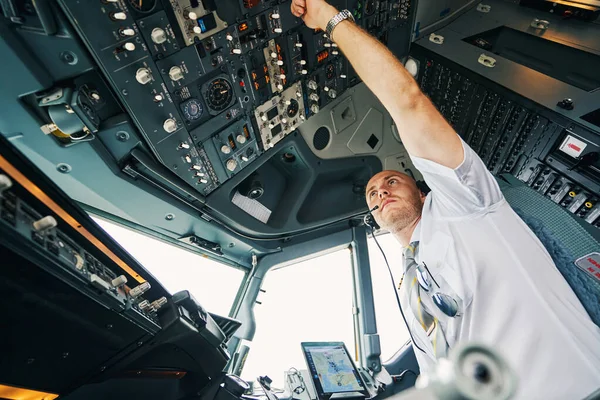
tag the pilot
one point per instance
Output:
(473, 270)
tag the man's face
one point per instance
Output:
(400, 201)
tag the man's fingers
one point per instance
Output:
(297, 10)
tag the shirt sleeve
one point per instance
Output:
(469, 188)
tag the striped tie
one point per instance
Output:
(412, 293)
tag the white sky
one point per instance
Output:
(308, 301)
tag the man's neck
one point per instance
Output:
(404, 235)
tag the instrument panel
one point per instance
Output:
(211, 85)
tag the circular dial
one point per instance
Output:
(219, 94)
(192, 109)
(292, 109)
(143, 6)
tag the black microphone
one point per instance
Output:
(370, 220)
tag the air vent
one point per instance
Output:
(321, 138)
(372, 142)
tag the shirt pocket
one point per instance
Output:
(444, 266)
(419, 337)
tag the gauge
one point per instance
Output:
(192, 109)
(219, 94)
(293, 108)
(142, 6)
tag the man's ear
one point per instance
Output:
(423, 187)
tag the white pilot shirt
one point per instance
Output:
(512, 296)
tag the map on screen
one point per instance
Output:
(334, 369)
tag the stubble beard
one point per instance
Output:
(399, 218)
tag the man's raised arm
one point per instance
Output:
(423, 130)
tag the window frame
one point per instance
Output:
(149, 233)
(294, 254)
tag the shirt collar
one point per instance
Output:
(416, 235)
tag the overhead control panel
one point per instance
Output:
(211, 85)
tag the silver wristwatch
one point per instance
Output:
(339, 17)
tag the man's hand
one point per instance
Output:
(315, 13)
(423, 130)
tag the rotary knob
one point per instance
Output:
(225, 149)
(170, 125)
(158, 35)
(332, 93)
(241, 139)
(231, 164)
(143, 76)
(175, 73)
(314, 108)
(312, 85)
(314, 97)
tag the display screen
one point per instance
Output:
(332, 367)
(207, 23)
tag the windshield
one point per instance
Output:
(213, 284)
(310, 301)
